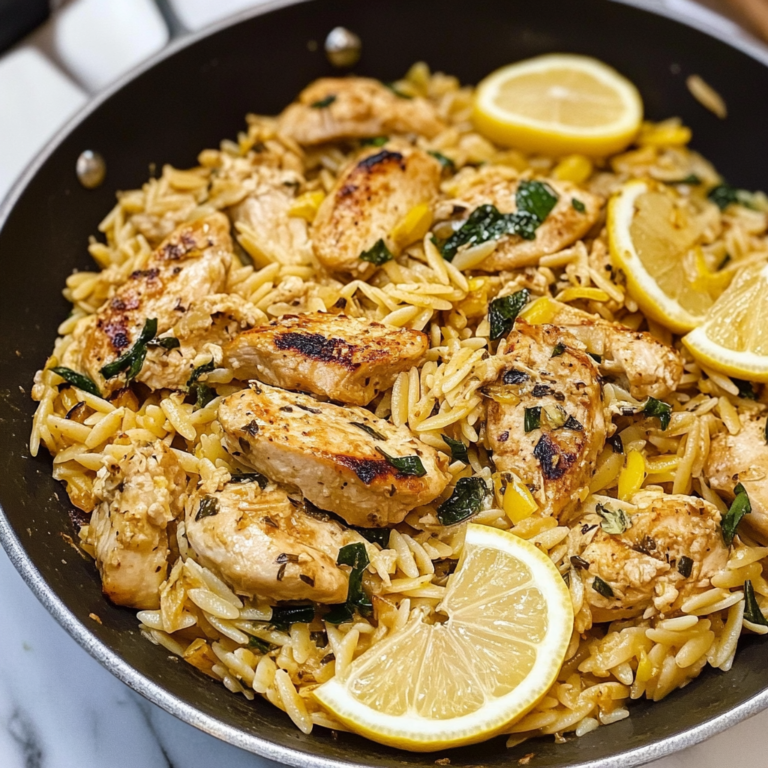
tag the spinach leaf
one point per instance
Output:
(405, 465)
(685, 566)
(660, 410)
(537, 198)
(199, 371)
(378, 536)
(613, 521)
(133, 359)
(203, 394)
(167, 342)
(323, 103)
(249, 477)
(578, 205)
(260, 645)
(209, 506)
(377, 254)
(340, 614)
(446, 162)
(739, 507)
(376, 141)
(746, 389)
(355, 556)
(458, 449)
(752, 610)
(370, 430)
(285, 615)
(724, 195)
(502, 312)
(77, 380)
(601, 587)
(465, 501)
(532, 418)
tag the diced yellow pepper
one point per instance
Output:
(519, 504)
(305, 206)
(543, 310)
(413, 226)
(632, 476)
(666, 134)
(644, 668)
(476, 303)
(575, 168)
(590, 294)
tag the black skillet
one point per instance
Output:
(189, 98)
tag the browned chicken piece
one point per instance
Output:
(743, 458)
(335, 108)
(546, 420)
(671, 550)
(563, 226)
(278, 236)
(177, 290)
(264, 543)
(344, 358)
(139, 495)
(335, 455)
(369, 198)
(651, 367)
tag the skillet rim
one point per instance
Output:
(154, 692)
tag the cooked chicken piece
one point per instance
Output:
(646, 565)
(335, 455)
(334, 108)
(551, 380)
(175, 289)
(278, 236)
(343, 358)
(563, 226)
(369, 198)
(139, 495)
(743, 458)
(263, 543)
(651, 367)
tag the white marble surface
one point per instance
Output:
(58, 707)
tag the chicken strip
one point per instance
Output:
(369, 198)
(139, 495)
(545, 419)
(670, 551)
(651, 367)
(344, 358)
(562, 227)
(743, 458)
(264, 543)
(334, 108)
(337, 456)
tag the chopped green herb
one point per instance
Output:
(370, 430)
(133, 359)
(378, 536)
(536, 197)
(486, 223)
(573, 424)
(249, 477)
(752, 611)
(532, 418)
(405, 465)
(458, 449)
(260, 645)
(323, 103)
(377, 254)
(376, 141)
(199, 371)
(558, 350)
(615, 442)
(392, 87)
(446, 162)
(355, 556)
(578, 205)
(209, 506)
(746, 389)
(660, 410)
(739, 507)
(724, 195)
(691, 179)
(724, 263)
(465, 501)
(601, 587)
(77, 380)
(579, 562)
(285, 615)
(685, 566)
(502, 312)
(203, 394)
(167, 342)
(613, 521)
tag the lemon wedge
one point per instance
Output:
(652, 233)
(559, 104)
(732, 338)
(430, 685)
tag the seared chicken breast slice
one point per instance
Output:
(743, 458)
(563, 226)
(344, 358)
(651, 367)
(670, 551)
(336, 456)
(368, 199)
(138, 496)
(335, 108)
(546, 420)
(264, 543)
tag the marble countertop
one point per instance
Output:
(58, 707)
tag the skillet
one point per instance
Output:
(188, 98)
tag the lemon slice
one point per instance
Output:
(559, 104)
(732, 339)
(651, 234)
(434, 685)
